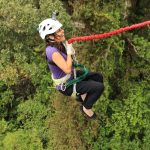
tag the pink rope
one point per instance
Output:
(99, 36)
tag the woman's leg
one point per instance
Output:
(93, 86)
(95, 76)
(90, 76)
(93, 89)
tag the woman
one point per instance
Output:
(59, 55)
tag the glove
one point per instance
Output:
(70, 50)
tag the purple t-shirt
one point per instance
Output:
(56, 71)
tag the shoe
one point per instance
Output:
(94, 116)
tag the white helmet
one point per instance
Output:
(48, 26)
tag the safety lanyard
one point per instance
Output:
(80, 78)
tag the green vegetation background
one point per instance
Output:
(33, 116)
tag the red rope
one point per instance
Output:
(99, 36)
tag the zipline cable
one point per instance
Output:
(99, 36)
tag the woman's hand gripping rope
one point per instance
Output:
(69, 49)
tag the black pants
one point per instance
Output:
(92, 85)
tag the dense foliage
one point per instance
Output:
(34, 116)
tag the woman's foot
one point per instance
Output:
(88, 112)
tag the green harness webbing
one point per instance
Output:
(80, 78)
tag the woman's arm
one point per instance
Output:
(65, 65)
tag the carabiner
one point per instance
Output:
(63, 86)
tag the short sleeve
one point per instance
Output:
(49, 52)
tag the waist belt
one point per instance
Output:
(66, 81)
(61, 82)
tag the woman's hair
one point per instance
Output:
(51, 42)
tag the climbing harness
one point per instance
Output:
(68, 80)
(61, 82)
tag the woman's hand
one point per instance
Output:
(70, 50)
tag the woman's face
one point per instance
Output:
(59, 35)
